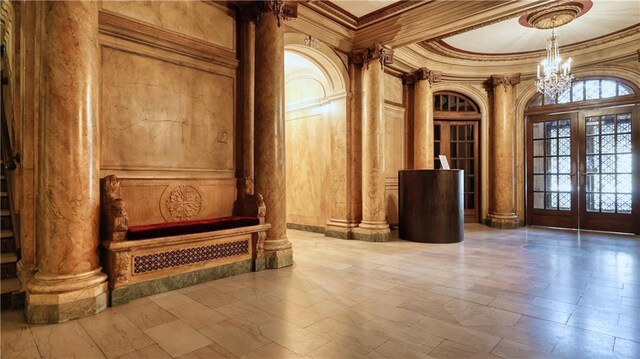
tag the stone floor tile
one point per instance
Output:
(119, 338)
(394, 349)
(196, 315)
(66, 340)
(452, 350)
(234, 337)
(355, 338)
(460, 334)
(151, 352)
(272, 351)
(145, 313)
(468, 314)
(387, 311)
(334, 350)
(211, 351)
(580, 343)
(510, 349)
(210, 297)
(626, 348)
(293, 313)
(299, 340)
(171, 299)
(177, 338)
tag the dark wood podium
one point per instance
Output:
(430, 205)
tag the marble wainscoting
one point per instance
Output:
(525, 293)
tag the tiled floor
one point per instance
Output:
(527, 293)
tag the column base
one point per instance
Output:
(372, 232)
(340, 229)
(503, 220)
(278, 254)
(57, 299)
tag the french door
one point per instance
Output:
(583, 170)
(458, 140)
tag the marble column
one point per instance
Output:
(247, 43)
(423, 118)
(502, 213)
(373, 226)
(69, 283)
(269, 138)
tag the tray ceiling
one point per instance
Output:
(605, 17)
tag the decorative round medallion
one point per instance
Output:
(183, 202)
(556, 16)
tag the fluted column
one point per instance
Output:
(69, 283)
(502, 213)
(373, 226)
(269, 131)
(423, 118)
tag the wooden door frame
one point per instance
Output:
(475, 121)
(544, 217)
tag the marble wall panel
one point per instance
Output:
(393, 89)
(204, 21)
(308, 159)
(394, 124)
(157, 115)
(301, 91)
(151, 201)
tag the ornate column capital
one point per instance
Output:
(377, 52)
(422, 74)
(505, 80)
(252, 10)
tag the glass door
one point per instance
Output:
(551, 167)
(611, 192)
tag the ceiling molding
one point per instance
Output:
(444, 49)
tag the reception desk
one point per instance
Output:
(430, 205)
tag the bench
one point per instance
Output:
(160, 235)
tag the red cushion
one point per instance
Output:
(189, 227)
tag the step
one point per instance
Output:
(8, 258)
(4, 212)
(6, 233)
(9, 285)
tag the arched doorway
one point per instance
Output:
(583, 161)
(315, 139)
(457, 136)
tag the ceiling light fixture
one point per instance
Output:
(553, 76)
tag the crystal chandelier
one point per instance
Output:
(553, 76)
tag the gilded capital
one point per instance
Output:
(505, 80)
(377, 52)
(422, 74)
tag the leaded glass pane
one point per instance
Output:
(552, 165)
(551, 182)
(624, 123)
(564, 183)
(538, 200)
(593, 183)
(551, 129)
(564, 164)
(549, 100)
(624, 90)
(608, 144)
(593, 144)
(593, 202)
(565, 97)
(551, 147)
(538, 148)
(608, 164)
(551, 200)
(564, 147)
(564, 201)
(593, 164)
(538, 165)
(593, 127)
(608, 203)
(592, 89)
(623, 144)
(624, 203)
(564, 128)
(608, 183)
(577, 91)
(624, 163)
(608, 124)
(608, 88)
(538, 130)
(624, 182)
(538, 182)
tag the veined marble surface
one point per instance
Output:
(524, 293)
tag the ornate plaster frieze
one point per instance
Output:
(422, 74)
(378, 52)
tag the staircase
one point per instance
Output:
(10, 283)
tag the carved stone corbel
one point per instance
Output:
(379, 52)
(115, 219)
(505, 80)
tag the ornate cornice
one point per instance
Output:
(441, 48)
(422, 74)
(379, 52)
(339, 15)
(505, 80)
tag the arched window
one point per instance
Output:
(586, 90)
(452, 102)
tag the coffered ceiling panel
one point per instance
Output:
(605, 17)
